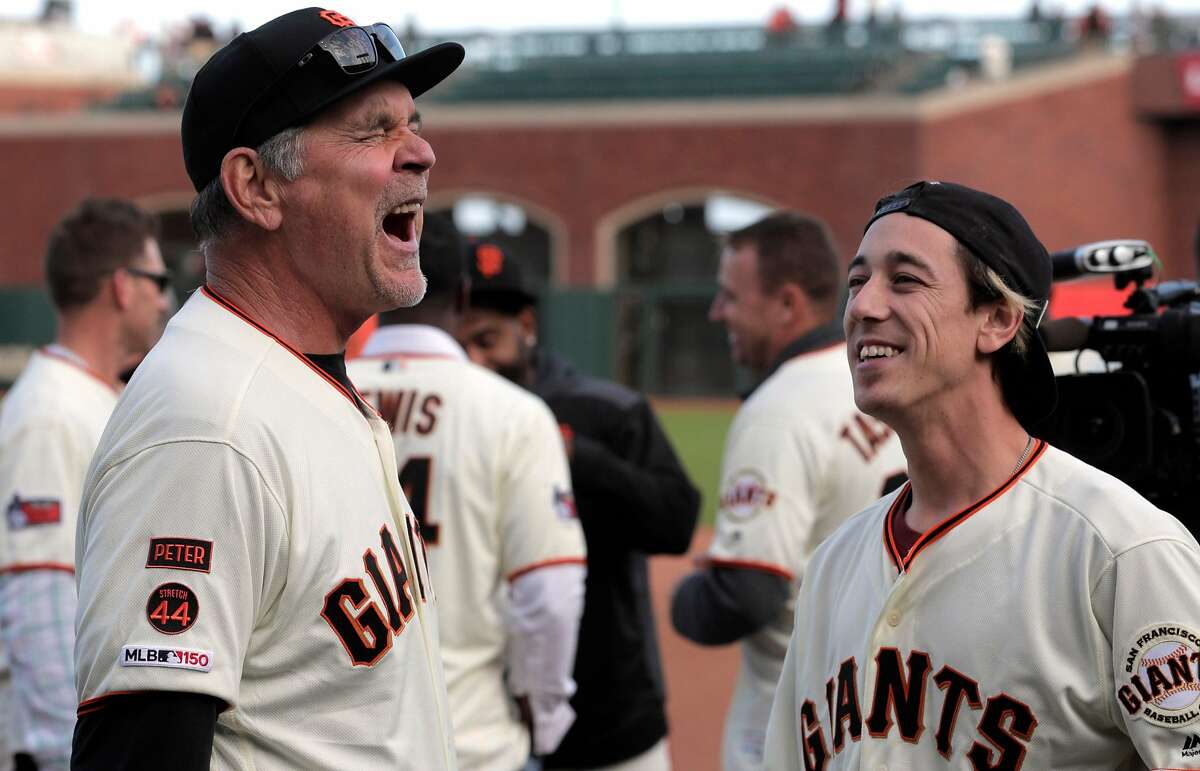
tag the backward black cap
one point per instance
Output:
(995, 232)
(241, 97)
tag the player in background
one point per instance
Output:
(252, 587)
(634, 499)
(799, 459)
(483, 467)
(1010, 607)
(108, 286)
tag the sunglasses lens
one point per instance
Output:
(352, 49)
(383, 33)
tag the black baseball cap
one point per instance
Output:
(443, 255)
(254, 87)
(497, 280)
(995, 232)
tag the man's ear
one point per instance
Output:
(254, 194)
(1001, 321)
(527, 316)
(794, 304)
(121, 286)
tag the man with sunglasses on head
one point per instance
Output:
(107, 284)
(253, 588)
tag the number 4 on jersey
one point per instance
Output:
(416, 476)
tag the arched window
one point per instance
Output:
(666, 268)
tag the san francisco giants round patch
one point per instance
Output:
(172, 608)
(745, 495)
(1163, 670)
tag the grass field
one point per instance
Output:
(697, 429)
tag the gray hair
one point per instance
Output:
(214, 218)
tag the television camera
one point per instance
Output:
(1139, 419)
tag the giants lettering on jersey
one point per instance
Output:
(407, 410)
(896, 702)
(354, 614)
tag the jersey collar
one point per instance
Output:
(355, 398)
(818, 339)
(69, 357)
(904, 561)
(412, 340)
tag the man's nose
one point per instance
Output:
(415, 154)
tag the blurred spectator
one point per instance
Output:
(1095, 27)
(781, 27)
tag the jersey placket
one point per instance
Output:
(409, 532)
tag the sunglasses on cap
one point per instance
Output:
(356, 49)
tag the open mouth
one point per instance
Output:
(872, 352)
(401, 222)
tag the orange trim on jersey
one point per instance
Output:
(903, 561)
(764, 567)
(91, 705)
(227, 305)
(45, 351)
(28, 567)
(513, 576)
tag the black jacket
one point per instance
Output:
(634, 499)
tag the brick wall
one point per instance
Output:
(1075, 159)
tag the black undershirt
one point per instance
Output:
(334, 365)
(130, 731)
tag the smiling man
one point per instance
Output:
(1010, 607)
(253, 588)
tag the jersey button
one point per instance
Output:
(893, 619)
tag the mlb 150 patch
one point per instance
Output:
(31, 512)
(170, 658)
(172, 608)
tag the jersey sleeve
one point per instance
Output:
(539, 525)
(1156, 650)
(181, 548)
(41, 472)
(767, 505)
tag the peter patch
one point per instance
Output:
(746, 495)
(172, 608)
(31, 512)
(181, 554)
(1163, 670)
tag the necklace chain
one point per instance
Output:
(1024, 455)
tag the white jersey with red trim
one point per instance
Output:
(243, 535)
(483, 465)
(799, 460)
(50, 423)
(1055, 624)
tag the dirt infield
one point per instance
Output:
(699, 680)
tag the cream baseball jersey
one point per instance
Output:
(243, 535)
(483, 466)
(50, 423)
(799, 459)
(1054, 624)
